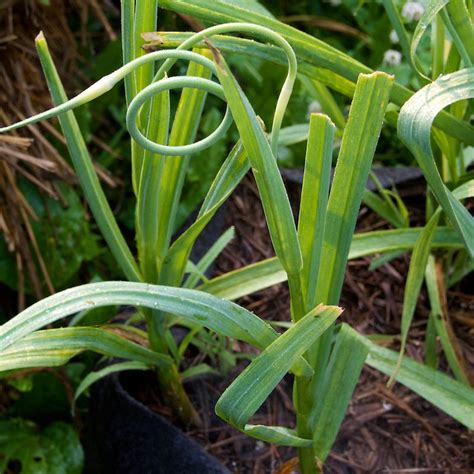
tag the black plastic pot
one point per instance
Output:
(387, 176)
(123, 436)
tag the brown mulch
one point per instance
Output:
(384, 430)
(29, 153)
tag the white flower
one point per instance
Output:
(314, 108)
(392, 57)
(412, 11)
(393, 37)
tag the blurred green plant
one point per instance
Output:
(54, 449)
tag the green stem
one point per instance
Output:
(437, 47)
(306, 456)
(457, 40)
(128, 44)
(169, 381)
(144, 19)
(296, 297)
(175, 397)
(462, 26)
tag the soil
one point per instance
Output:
(384, 430)
(31, 154)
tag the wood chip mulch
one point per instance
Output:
(384, 430)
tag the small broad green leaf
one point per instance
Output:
(54, 450)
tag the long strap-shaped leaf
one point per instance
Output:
(148, 202)
(245, 395)
(432, 9)
(85, 169)
(416, 271)
(393, 13)
(345, 365)
(262, 158)
(234, 168)
(439, 318)
(418, 263)
(229, 176)
(184, 130)
(127, 14)
(267, 175)
(451, 396)
(233, 45)
(221, 316)
(414, 128)
(307, 48)
(269, 272)
(54, 347)
(313, 204)
(350, 178)
(458, 20)
(93, 377)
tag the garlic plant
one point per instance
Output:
(326, 358)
